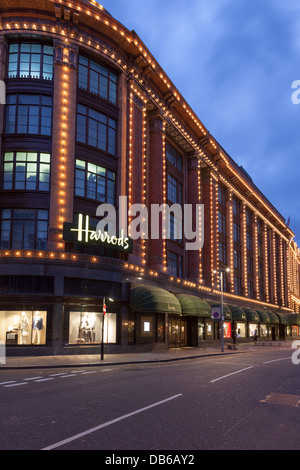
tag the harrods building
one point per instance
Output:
(91, 116)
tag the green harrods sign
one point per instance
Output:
(83, 233)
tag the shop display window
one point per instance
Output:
(23, 327)
(253, 327)
(263, 331)
(86, 328)
(227, 330)
(241, 330)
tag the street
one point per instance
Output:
(243, 401)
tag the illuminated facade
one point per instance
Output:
(90, 116)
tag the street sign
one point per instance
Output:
(216, 312)
(104, 309)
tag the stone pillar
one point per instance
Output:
(157, 187)
(255, 257)
(244, 250)
(63, 143)
(136, 177)
(230, 242)
(210, 255)
(3, 69)
(193, 193)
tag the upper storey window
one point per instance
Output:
(97, 79)
(29, 114)
(174, 157)
(96, 129)
(30, 60)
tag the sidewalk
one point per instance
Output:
(129, 358)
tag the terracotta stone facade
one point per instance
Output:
(160, 153)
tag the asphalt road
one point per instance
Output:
(246, 401)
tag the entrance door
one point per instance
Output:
(273, 333)
(177, 333)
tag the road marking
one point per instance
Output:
(91, 372)
(276, 360)
(44, 380)
(228, 375)
(10, 382)
(56, 375)
(68, 375)
(16, 385)
(33, 378)
(109, 423)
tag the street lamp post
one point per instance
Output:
(103, 315)
(222, 271)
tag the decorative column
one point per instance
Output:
(230, 242)
(194, 195)
(244, 250)
(157, 256)
(266, 261)
(3, 69)
(210, 255)
(255, 257)
(63, 142)
(137, 168)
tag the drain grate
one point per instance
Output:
(282, 399)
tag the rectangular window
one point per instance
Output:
(97, 79)
(94, 182)
(222, 223)
(174, 190)
(175, 264)
(30, 60)
(23, 328)
(222, 195)
(96, 129)
(86, 328)
(29, 114)
(237, 285)
(237, 259)
(26, 171)
(24, 229)
(223, 252)
(236, 233)
(174, 157)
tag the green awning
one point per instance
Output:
(238, 313)
(193, 305)
(252, 315)
(294, 318)
(226, 309)
(148, 299)
(264, 316)
(283, 319)
(274, 317)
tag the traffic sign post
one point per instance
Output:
(102, 339)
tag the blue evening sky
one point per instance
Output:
(234, 61)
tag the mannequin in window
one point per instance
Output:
(37, 326)
(24, 324)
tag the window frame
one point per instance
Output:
(14, 162)
(42, 62)
(11, 227)
(17, 115)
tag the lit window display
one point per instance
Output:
(241, 330)
(253, 328)
(86, 328)
(23, 328)
(263, 331)
(227, 330)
